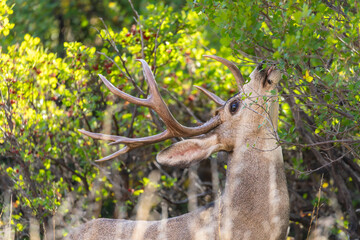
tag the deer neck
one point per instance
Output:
(255, 201)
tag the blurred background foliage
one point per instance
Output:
(56, 22)
(52, 51)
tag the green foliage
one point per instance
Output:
(5, 25)
(56, 22)
(316, 46)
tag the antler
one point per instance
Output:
(232, 67)
(155, 102)
(212, 96)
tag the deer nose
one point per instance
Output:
(260, 65)
(271, 68)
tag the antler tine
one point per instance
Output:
(212, 96)
(150, 79)
(114, 155)
(123, 95)
(105, 137)
(232, 67)
(155, 102)
(99, 135)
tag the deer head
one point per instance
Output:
(250, 106)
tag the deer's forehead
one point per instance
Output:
(248, 92)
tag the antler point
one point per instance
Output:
(82, 131)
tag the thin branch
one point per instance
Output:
(156, 45)
(142, 37)
(132, 7)
(182, 105)
(111, 41)
(320, 143)
(325, 165)
(129, 78)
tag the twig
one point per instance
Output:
(182, 105)
(111, 41)
(327, 164)
(129, 78)
(156, 45)
(317, 206)
(132, 6)
(141, 36)
(320, 143)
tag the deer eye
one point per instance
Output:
(234, 105)
(269, 81)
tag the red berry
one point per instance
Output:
(191, 98)
(12, 101)
(146, 37)
(108, 71)
(95, 67)
(121, 87)
(168, 51)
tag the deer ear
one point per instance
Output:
(187, 152)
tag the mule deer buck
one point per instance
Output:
(255, 202)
